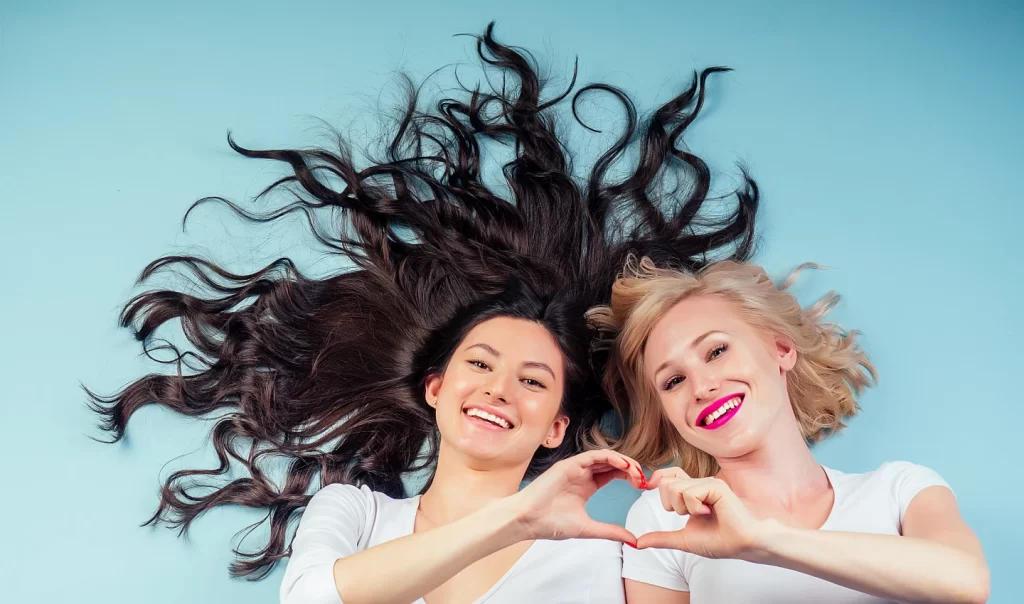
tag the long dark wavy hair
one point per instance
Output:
(328, 373)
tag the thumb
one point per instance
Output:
(660, 539)
(611, 532)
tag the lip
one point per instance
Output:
(492, 411)
(721, 421)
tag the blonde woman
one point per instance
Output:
(724, 375)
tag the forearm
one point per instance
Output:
(898, 568)
(406, 569)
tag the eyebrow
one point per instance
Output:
(693, 344)
(530, 364)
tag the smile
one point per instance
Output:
(717, 414)
(488, 419)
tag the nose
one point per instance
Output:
(495, 388)
(705, 387)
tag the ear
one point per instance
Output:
(433, 389)
(557, 432)
(785, 353)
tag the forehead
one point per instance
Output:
(517, 339)
(689, 319)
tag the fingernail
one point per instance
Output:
(631, 544)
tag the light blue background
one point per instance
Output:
(886, 137)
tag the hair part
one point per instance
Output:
(830, 370)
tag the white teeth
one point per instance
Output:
(494, 419)
(717, 413)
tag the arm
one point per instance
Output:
(551, 507)
(938, 558)
(327, 564)
(426, 560)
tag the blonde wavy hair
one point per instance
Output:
(831, 369)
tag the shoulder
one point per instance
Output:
(665, 568)
(890, 473)
(901, 476)
(374, 505)
(895, 482)
(903, 468)
(340, 495)
(647, 514)
(907, 479)
(338, 506)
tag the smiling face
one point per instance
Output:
(500, 396)
(721, 381)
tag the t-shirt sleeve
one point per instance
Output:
(332, 526)
(659, 567)
(909, 479)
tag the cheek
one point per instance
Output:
(743, 367)
(537, 411)
(461, 378)
(458, 385)
(675, 409)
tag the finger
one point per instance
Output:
(709, 491)
(603, 478)
(679, 504)
(616, 460)
(611, 532)
(605, 456)
(636, 474)
(694, 506)
(607, 474)
(666, 474)
(635, 468)
(669, 494)
(660, 539)
(666, 497)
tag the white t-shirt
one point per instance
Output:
(341, 520)
(872, 502)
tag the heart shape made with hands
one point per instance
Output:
(719, 525)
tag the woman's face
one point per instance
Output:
(721, 381)
(500, 396)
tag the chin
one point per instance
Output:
(474, 448)
(736, 444)
(740, 445)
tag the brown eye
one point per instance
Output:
(673, 382)
(480, 364)
(717, 351)
(533, 383)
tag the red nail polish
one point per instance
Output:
(631, 544)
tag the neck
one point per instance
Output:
(459, 489)
(782, 471)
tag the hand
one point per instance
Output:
(720, 525)
(554, 505)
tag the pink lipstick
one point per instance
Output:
(718, 413)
